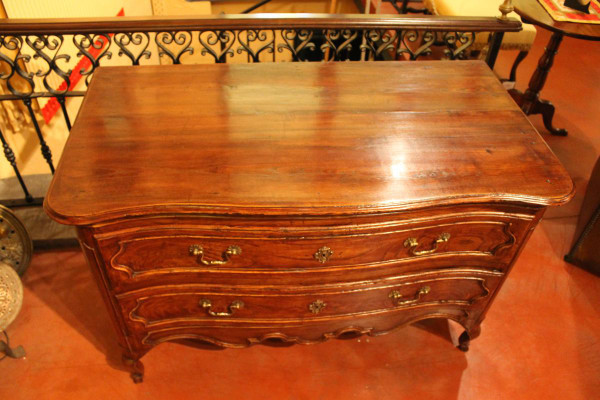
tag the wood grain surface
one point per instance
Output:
(315, 138)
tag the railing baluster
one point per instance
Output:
(45, 149)
(494, 43)
(61, 101)
(10, 156)
(223, 58)
(274, 45)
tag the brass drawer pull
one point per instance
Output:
(395, 295)
(235, 305)
(413, 244)
(197, 250)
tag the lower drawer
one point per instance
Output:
(278, 333)
(189, 304)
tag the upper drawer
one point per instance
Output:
(184, 249)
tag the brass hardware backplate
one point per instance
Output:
(198, 251)
(323, 254)
(413, 243)
(235, 305)
(396, 295)
(317, 306)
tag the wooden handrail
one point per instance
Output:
(255, 21)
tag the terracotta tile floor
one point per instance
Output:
(541, 339)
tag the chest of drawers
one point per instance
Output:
(288, 203)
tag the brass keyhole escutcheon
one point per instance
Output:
(317, 306)
(323, 254)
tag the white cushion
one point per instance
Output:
(484, 8)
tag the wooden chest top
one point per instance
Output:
(299, 138)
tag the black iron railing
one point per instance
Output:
(36, 56)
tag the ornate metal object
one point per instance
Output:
(197, 250)
(16, 246)
(235, 305)
(505, 8)
(317, 306)
(395, 295)
(16, 352)
(11, 295)
(47, 73)
(323, 254)
(413, 244)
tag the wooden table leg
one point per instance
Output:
(530, 101)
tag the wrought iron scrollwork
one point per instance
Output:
(174, 44)
(261, 40)
(39, 65)
(378, 42)
(21, 84)
(217, 43)
(457, 43)
(415, 44)
(47, 53)
(132, 43)
(94, 48)
(298, 42)
(339, 44)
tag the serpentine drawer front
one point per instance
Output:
(170, 254)
(271, 202)
(190, 304)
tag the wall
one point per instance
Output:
(286, 6)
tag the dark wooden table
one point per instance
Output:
(532, 12)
